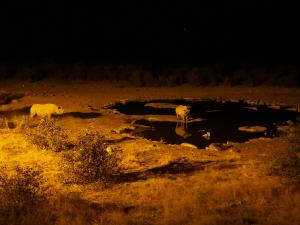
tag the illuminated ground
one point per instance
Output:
(161, 184)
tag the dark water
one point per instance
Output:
(222, 120)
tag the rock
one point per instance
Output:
(251, 108)
(109, 149)
(124, 101)
(188, 145)
(124, 129)
(114, 111)
(274, 106)
(252, 129)
(291, 109)
(260, 102)
(218, 146)
(207, 135)
(116, 131)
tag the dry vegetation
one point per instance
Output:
(165, 75)
(76, 171)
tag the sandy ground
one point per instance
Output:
(161, 184)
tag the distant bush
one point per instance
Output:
(175, 77)
(20, 195)
(28, 72)
(148, 78)
(97, 72)
(290, 79)
(124, 71)
(76, 71)
(240, 77)
(157, 75)
(91, 161)
(49, 136)
(50, 69)
(258, 76)
(137, 78)
(4, 73)
(203, 76)
(170, 77)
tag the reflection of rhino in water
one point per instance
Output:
(182, 130)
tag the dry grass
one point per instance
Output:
(255, 183)
(211, 195)
(90, 160)
(20, 194)
(48, 135)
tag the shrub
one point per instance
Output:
(51, 69)
(20, 195)
(91, 161)
(287, 166)
(49, 136)
(4, 72)
(76, 71)
(136, 78)
(97, 72)
(203, 76)
(289, 79)
(288, 163)
(259, 76)
(240, 77)
(28, 72)
(148, 78)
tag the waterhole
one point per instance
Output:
(210, 121)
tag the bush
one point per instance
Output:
(49, 136)
(287, 166)
(97, 72)
(136, 78)
(76, 71)
(259, 76)
(288, 163)
(148, 78)
(203, 76)
(19, 195)
(240, 77)
(91, 161)
(51, 69)
(28, 72)
(4, 72)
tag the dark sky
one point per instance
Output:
(172, 31)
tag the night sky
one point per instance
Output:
(176, 32)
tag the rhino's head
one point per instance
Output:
(60, 110)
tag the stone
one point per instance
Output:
(188, 145)
(252, 129)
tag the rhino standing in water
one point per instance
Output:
(182, 112)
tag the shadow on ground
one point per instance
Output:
(6, 98)
(81, 115)
(17, 112)
(172, 168)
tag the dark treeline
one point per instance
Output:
(155, 74)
